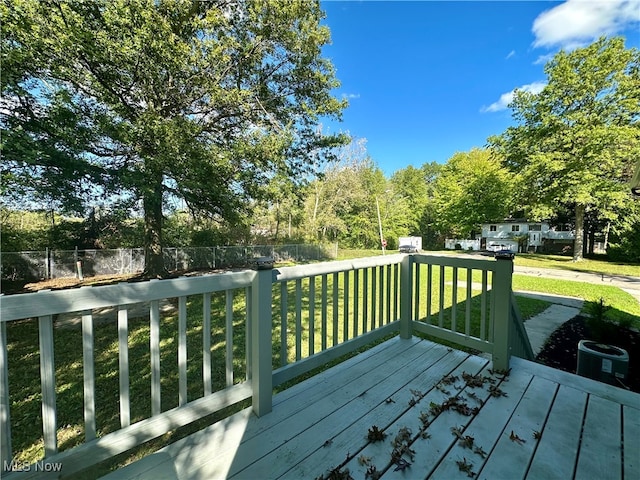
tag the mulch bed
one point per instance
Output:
(561, 349)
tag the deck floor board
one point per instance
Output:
(561, 436)
(587, 429)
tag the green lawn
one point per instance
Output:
(624, 307)
(24, 359)
(561, 262)
(566, 263)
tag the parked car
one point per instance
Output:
(504, 254)
(408, 249)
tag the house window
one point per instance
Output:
(493, 228)
(535, 228)
(515, 228)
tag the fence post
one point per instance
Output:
(261, 322)
(406, 287)
(501, 292)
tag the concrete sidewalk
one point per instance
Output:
(541, 326)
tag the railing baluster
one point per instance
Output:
(381, 296)
(441, 303)
(483, 307)
(298, 319)
(48, 383)
(429, 291)
(182, 350)
(374, 293)
(324, 311)
(284, 314)
(492, 309)
(5, 412)
(396, 292)
(356, 301)
(123, 365)
(345, 313)
(389, 288)
(154, 350)
(229, 337)
(248, 331)
(416, 296)
(312, 315)
(467, 315)
(365, 299)
(88, 377)
(335, 309)
(454, 300)
(206, 343)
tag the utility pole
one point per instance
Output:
(382, 242)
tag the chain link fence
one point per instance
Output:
(37, 265)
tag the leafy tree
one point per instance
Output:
(472, 188)
(576, 140)
(339, 204)
(200, 101)
(410, 183)
(280, 215)
(417, 187)
(342, 203)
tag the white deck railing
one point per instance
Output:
(290, 320)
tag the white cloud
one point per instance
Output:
(542, 59)
(578, 22)
(507, 98)
(350, 95)
(511, 54)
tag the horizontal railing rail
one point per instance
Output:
(228, 337)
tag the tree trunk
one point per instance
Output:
(277, 220)
(579, 240)
(152, 205)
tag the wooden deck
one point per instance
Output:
(535, 423)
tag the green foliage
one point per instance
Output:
(472, 188)
(576, 141)
(625, 235)
(600, 327)
(199, 101)
(417, 186)
(344, 202)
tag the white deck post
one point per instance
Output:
(501, 292)
(261, 368)
(406, 294)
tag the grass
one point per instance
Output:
(625, 309)
(24, 376)
(587, 265)
(562, 262)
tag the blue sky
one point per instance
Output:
(426, 79)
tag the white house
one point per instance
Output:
(520, 235)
